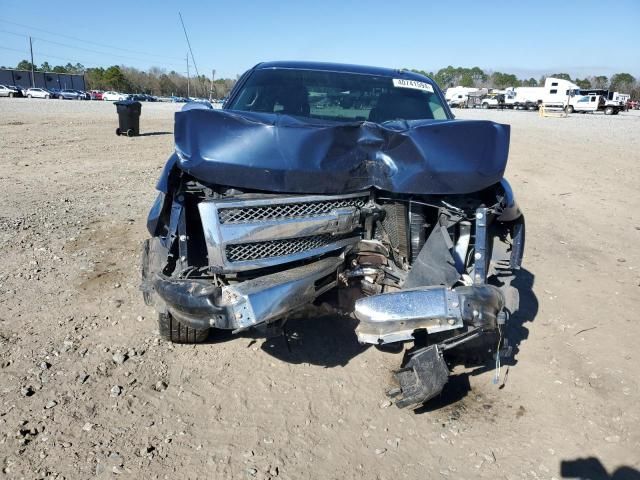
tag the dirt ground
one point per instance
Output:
(88, 389)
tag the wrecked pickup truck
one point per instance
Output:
(340, 184)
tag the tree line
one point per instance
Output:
(158, 81)
(154, 81)
(476, 77)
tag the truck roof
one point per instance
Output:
(342, 67)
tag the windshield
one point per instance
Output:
(338, 96)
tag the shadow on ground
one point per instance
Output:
(592, 469)
(328, 341)
(153, 134)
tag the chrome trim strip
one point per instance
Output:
(284, 200)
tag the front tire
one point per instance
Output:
(10, 95)
(485, 105)
(608, 111)
(177, 332)
(570, 109)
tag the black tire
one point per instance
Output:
(10, 95)
(130, 132)
(570, 109)
(118, 131)
(485, 105)
(47, 97)
(608, 111)
(176, 332)
(29, 96)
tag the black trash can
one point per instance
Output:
(128, 117)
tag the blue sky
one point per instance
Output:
(526, 38)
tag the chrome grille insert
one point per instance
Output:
(285, 210)
(277, 248)
(250, 233)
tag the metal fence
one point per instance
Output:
(22, 78)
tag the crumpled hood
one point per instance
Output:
(281, 153)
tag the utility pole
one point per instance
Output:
(213, 74)
(188, 81)
(33, 80)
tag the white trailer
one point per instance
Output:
(457, 96)
(528, 98)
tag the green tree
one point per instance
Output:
(167, 87)
(59, 69)
(422, 72)
(466, 80)
(115, 79)
(584, 83)
(562, 76)
(95, 79)
(45, 67)
(452, 76)
(622, 82)
(478, 75)
(25, 65)
(600, 81)
(532, 82)
(503, 80)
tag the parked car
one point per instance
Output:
(38, 93)
(393, 210)
(95, 94)
(84, 95)
(10, 91)
(69, 94)
(112, 96)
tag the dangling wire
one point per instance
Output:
(496, 376)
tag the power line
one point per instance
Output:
(108, 54)
(192, 57)
(86, 41)
(48, 55)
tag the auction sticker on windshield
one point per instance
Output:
(402, 83)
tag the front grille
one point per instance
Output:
(277, 248)
(285, 210)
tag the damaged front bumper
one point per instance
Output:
(394, 317)
(200, 304)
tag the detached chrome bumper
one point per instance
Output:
(393, 317)
(200, 305)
